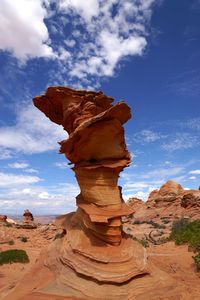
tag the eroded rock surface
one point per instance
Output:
(3, 219)
(171, 201)
(93, 258)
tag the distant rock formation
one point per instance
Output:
(171, 201)
(28, 217)
(3, 219)
(27, 222)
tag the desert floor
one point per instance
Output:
(175, 260)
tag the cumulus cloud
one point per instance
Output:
(113, 30)
(100, 35)
(192, 177)
(22, 29)
(9, 179)
(18, 165)
(86, 9)
(195, 172)
(33, 133)
(39, 199)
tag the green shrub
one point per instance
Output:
(166, 221)
(8, 225)
(24, 239)
(13, 256)
(154, 224)
(185, 232)
(137, 222)
(197, 261)
(11, 242)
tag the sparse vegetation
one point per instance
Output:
(143, 241)
(11, 242)
(13, 256)
(184, 232)
(165, 221)
(197, 261)
(24, 239)
(154, 224)
(8, 225)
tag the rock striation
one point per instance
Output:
(171, 201)
(94, 250)
(94, 258)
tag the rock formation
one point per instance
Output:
(28, 217)
(171, 201)
(94, 259)
(3, 219)
(27, 222)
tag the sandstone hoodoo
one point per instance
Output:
(94, 258)
(28, 217)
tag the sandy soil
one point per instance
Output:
(175, 260)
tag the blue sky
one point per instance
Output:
(146, 52)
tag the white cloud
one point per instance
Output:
(86, 9)
(62, 165)
(33, 133)
(181, 141)
(193, 124)
(44, 195)
(18, 165)
(59, 199)
(136, 185)
(22, 29)
(100, 35)
(163, 174)
(195, 172)
(147, 136)
(192, 177)
(9, 179)
(31, 170)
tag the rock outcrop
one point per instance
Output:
(3, 219)
(94, 258)
(28, 217)
(27, 222)
(171, 201)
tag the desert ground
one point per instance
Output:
(175, 260)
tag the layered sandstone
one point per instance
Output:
(171, 201)
(94, 258)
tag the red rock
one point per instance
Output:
(3, 219)
(28, 217)
(95, 259)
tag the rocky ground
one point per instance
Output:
(33, 241)
(150, 224)
(175, 260)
